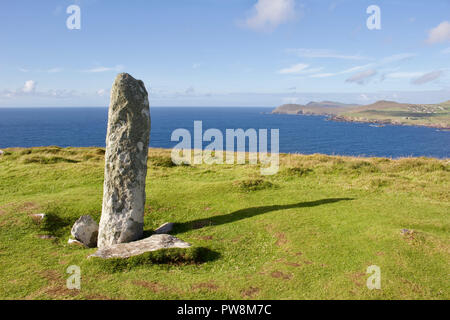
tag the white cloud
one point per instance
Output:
(323, 75)
(428, 77)
(298, 68)
(117, 68)
(29, 90)
(51, 70)
(446, 51)
(403, 75)
(363, 97)
(324, 53)
(269, 14)
(362, 77)
(439, 34)
(332, 74)
(354, 69)
(196, 65)
(29, 87)
(54, 70)
(290, 100)
(102, 92)
(397, 58)
(190, 90)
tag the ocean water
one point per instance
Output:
(83, 127)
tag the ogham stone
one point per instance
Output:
(126, 155)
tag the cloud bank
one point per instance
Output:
(439, 34)
(428, 77)
(269, 14)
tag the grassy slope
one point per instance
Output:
(404, 114)
(309, 232)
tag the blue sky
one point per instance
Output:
(225, 52)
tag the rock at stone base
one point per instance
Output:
(85, 230)
(165, 228)
(153, 243)
(75, 242)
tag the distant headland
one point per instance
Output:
(380, 113)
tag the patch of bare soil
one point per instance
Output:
(357, 278)
(281, 239)
(281, 275)
(205, 285)
(205, 237)
(250, 292)
(293, 264)
(152, 286)
(56, 287)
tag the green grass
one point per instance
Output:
(424, 115)
(309, 232)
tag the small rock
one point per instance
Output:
(85, 230)
(165, 228)
(38, 217)
(153, 243)
(45, 236)
(406, 231)
(76, 242)
(2, 152)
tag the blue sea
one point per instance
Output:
(83, 127)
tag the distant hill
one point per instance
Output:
(330, 104)
(381, 112)
(289, 109)
(313, 107)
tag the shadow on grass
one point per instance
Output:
(248, 213)
(55, 225)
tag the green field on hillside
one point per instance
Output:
(381, 112)
(308, 232)
(424, 115)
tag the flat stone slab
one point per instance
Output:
(153, 243)
(165, 228)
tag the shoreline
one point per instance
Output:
(338, 118)
(341, 118)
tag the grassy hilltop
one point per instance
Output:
(381, 112)
(309, 232)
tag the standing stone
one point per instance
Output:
(127, 143)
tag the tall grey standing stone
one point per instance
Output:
(127, 143)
